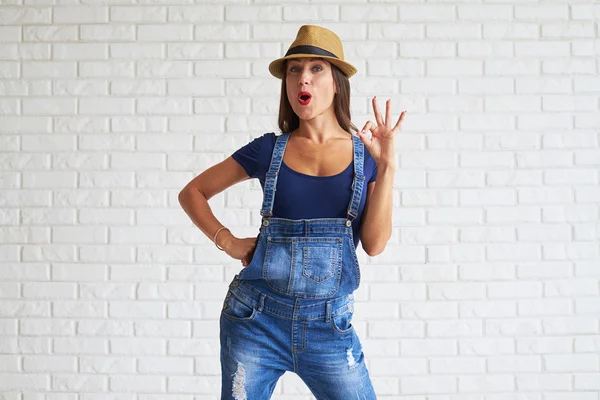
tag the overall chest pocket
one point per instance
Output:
(318, 262)
(304, 266)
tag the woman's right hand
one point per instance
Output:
(240, 249)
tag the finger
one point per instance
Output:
(366, 125)
(365, 138)
(376, 111)
(399, 123)
(362, 134)
(368, 129)
(388, 113)
(373, 129)
(364, 129)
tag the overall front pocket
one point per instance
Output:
(342, 322)
(236, 309)
(304, 266)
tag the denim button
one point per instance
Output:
(348, 223)
(265, 222)
(235, 283)
(225, 306)
(228, 295)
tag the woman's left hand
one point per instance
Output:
(381, 144)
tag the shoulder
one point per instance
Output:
(269, 139)
(255, 155)
(266, 141)
(259, 144)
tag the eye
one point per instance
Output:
(318, 67)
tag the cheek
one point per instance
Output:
(326, 86)
(289, 91)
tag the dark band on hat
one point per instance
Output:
(308, 49)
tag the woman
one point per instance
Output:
(290, 308)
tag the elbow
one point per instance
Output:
(188, 190)
(376, 252)
(373, 251)
(182, 197)
(375, 245)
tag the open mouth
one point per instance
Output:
(304, 98)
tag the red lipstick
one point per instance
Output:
(304, 98)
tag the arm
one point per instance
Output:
(194, 197)
(376, 225)
(376, 228)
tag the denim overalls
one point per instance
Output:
(290, 308)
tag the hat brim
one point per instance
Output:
(276, 66)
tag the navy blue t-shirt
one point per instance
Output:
(301, 196)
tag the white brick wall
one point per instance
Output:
(489, 288)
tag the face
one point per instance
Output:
(312, 75)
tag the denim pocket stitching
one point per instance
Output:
(233, 317)
(336, 328)
(266, 260)
(293, 242)
(333, 257)
(357, 266)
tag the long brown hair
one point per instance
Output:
(288, 119)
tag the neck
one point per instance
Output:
(321, 128)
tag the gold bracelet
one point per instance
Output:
(215, 238)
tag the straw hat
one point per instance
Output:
(314, 41)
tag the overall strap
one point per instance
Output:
(272, 173)
(359, 178)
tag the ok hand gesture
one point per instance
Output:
(381, 141)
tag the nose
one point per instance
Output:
(304, 76)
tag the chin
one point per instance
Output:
(304, 114)
(307, 116)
